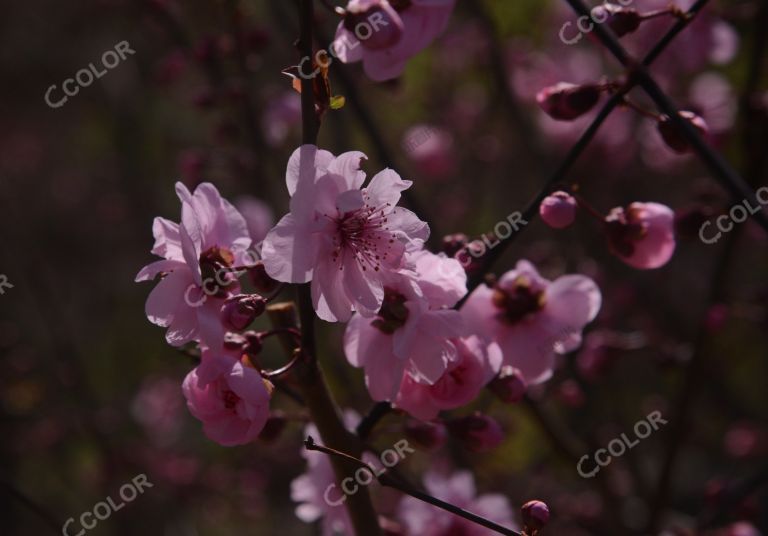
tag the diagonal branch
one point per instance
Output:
(719, 167)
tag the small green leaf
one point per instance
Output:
(337, 102)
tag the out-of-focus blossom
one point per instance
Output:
(211, 238)
(642, 234)
(231, 399)
(422, 519)
(477, 432)
(344, 238)
(316, 490)
(431, 148)
(558, 210)
(426, 435)
(258, 216)
(477, 362)
(158, 407)
(413, 330)
(282, 114)
(533, 318)
(385, 35)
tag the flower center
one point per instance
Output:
(363, 233)
(215, 263)
(518, 302)
(230, 399)
(624, 229)
(393, 313)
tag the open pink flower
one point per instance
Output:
(412, 330)
(385, 34)
(643, 234)
(422, 519)
(532, 318)
(211, 238)
(477, 363)
(231, 399)
(346, 239)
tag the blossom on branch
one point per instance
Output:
(532, 318)
(197, 254)
(346, 239)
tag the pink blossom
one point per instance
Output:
(532, 318)
(346, 239)
(422, 519)
(158, 407)
(316, 490)
(230, 398)
(412, 331)
(384, 35)
(212, 236)
(476, 365)
(642, 235)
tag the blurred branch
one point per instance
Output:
(49, 519)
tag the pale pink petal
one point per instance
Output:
(152, 269)
(289, 252)
(347, 165)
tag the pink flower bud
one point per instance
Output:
(509, 385)
(558, 210)
(674, 137)
(535, 516)
(565, 101)
(621, 20)
(454, 243)
(478, 432)
(426, 435)
(239, 311)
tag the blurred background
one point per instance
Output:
(90, 392)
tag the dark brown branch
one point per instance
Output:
(385, 479)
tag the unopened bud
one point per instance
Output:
(239, 311)
(674, 137)
(565, 101)
(478, 432)
(621, 20)
(558, 210)
(454, 243)
(509, 385)
(535, 516)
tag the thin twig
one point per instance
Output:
(49, 519)
(386, 479)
